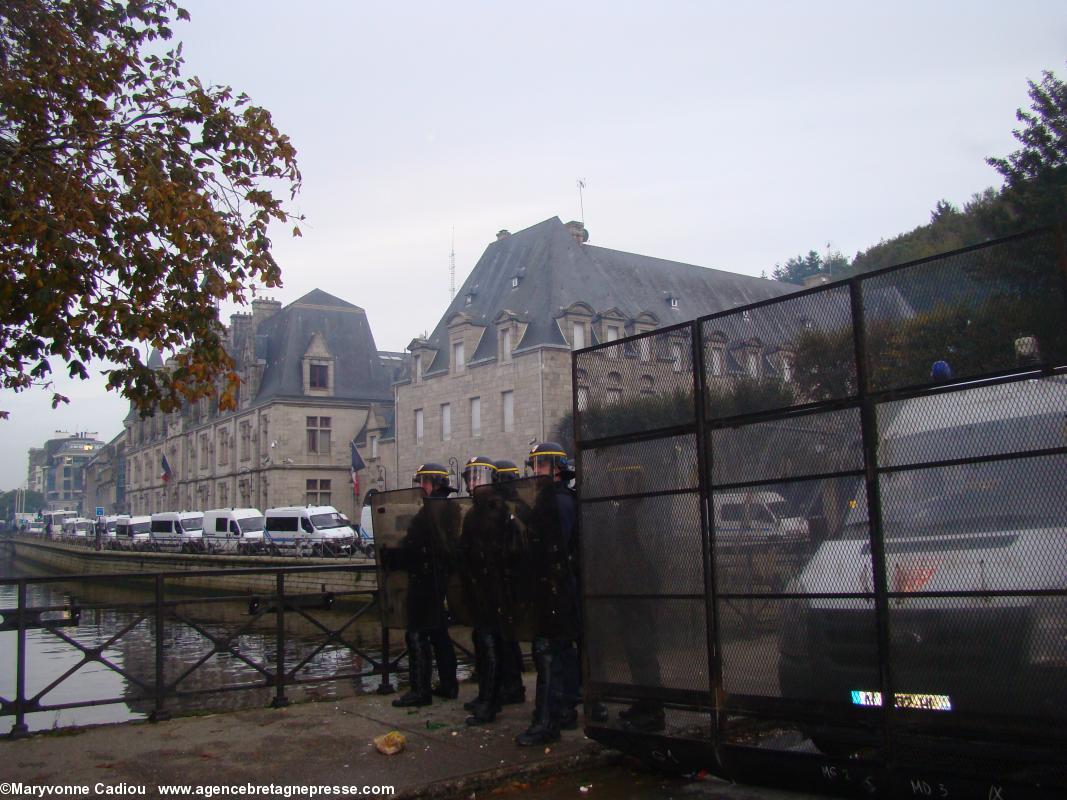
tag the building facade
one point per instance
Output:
(57, 470)
(310, 374)
(105, 479)
(495, 374)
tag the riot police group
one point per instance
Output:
(503, 561)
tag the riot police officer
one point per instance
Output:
(424, 553)
(553, 526)
(481, 556)
(512, 689)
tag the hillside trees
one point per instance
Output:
(133, 200)
(1035, 176)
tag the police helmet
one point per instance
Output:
(479, 471)
(554, 453)
(505, 471)
(435, 473)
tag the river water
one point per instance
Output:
(106, 611)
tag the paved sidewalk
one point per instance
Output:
(324, 743)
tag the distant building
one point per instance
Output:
(57, 469)
(105, 478)
(495, 374)
(310, 376)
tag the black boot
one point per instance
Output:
(479, 668)
(511, 686)
(545, 727)
(486, 706)
(444, 654)
(418, 693)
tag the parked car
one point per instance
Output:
(233, 530)
(309, 530)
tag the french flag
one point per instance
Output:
(167, 471)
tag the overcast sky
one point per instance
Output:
(730, 135)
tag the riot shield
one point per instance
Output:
(412, 562)
(446, 516)
(393, 512)
(481, 557)
(541, 580)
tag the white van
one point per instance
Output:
(133, 532)
(756, 519)
(318, 530)
(111, 522)
(233, 530)
(366, 532)
(178, 531)
(985, 526)
(53, 521)
(79, 528)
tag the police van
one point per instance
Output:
(309, 530)
(133, 533)
(233, 530)
(178, 531)
(79, 528)
(756, 519)
(984, 523)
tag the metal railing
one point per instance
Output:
(168, 610)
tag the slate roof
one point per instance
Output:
(555, 272)
(282, 340)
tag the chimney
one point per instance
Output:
(263, 310)
(503, 233)
(240, 325)
(578, 231)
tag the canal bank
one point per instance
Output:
(72, 559)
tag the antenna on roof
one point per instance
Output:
(452, 268)
(581, 203)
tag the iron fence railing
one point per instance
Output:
(172, 608)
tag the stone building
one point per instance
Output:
(310, 374)
(495, 373)
(105, 478)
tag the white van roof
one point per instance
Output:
(290, 510)
(236, 513)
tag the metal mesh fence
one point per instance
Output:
(879, 530)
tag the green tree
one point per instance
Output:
(31, 502)
(798, 268)
(132, 200)
(1035, 176)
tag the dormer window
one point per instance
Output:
(319, 376)
(577, 336)
(469, 299)
(417, 370)
(672, 301)
(611, 333)
(457, 356)
(505, 344)
(515, 279)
